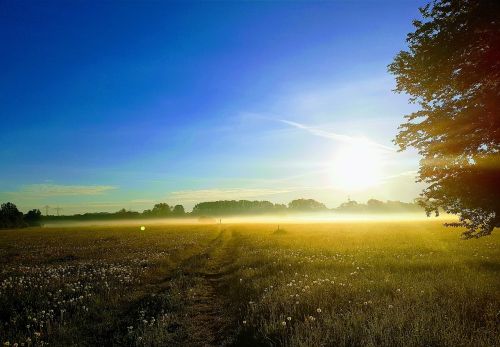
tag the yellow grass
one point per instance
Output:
(411, 283)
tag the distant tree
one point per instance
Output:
(374, 203)
(233, 207)
(452, 71)
(33, 217)
(10, 216)
(349, 205)
(161, 210)
(178, 210)
(306, 205)
(279, 208)
(377, 206)
(123, 213)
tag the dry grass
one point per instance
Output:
(339, 284)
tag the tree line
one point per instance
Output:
(11, 217)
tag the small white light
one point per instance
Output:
(143, 228)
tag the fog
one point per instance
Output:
(257, 219)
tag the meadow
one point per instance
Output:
(379, 283)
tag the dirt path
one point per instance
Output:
(208, 320)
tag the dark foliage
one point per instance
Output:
(10, 216)
(159, 210)
(33, 217)
(178, 210)
(234, 207)
(306, 205)
(452, 71)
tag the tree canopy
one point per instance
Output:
(178, 210)
(452, 71)
(10, 216)
(306, 205)
(33, 217)
(235, 207)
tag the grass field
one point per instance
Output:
(330, 284)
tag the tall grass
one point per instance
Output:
(367, 284)
(339, 284)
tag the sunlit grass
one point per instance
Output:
(343, 284)
(368, 284)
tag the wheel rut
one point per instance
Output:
(207, 319)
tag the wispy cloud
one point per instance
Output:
(143, 201)
(49, 190)
(222, 194)
(107, 205)
(337, 137)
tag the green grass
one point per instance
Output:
(338, 284)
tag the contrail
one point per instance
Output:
(335, 136)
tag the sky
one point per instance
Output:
(109, 105)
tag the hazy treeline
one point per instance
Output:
(378, 206)
(11, 217)
(246, 207)
(161, 210)
(233, 207)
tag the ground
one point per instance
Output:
(335, 284)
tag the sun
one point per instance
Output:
(357, 167)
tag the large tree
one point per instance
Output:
(451, 70)
(10, 216)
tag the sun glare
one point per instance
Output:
(357, 167)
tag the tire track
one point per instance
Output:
(208, 319)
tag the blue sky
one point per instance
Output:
(106, 105)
